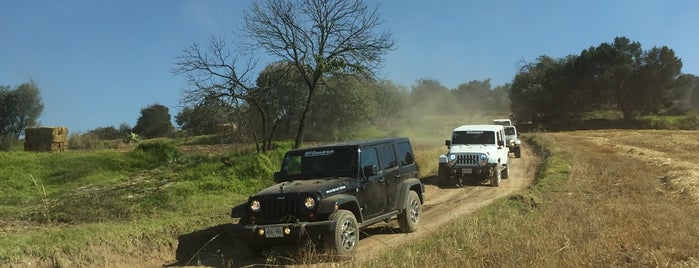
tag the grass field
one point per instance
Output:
(602, 198)
(594, 205)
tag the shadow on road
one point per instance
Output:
(211, 247)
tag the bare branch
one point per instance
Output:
(213, 72)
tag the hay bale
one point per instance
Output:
(46, 139)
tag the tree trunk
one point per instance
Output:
(304, 114)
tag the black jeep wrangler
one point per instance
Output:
(326, 194)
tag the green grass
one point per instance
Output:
(70, 201)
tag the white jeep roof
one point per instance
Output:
(479, 127)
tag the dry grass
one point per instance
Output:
(603, 208)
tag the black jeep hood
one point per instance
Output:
(323, 186)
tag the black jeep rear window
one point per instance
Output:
(314, 164)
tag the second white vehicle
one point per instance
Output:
(477, 153)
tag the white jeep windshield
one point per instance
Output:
(473, 137)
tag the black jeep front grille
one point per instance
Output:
(274, 208)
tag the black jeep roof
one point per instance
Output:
(350, 144)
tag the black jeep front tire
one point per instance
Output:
(518, 152)
(343, 242)
(410, 216)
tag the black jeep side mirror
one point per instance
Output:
(447, 143)
(371, 170)
(501, 143)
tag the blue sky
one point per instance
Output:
(98, 63)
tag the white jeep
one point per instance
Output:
(476, 152)
(513, 143)
(502, 121)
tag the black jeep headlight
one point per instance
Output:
(255, 205)
(309, 203)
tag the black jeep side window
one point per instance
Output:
(388, 158)
(368, 157)
(405, 154)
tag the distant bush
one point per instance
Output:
(689, 122)
(91, 141)
(259, 165)
(155, 153)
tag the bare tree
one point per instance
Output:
(320, 38)
(215, 72)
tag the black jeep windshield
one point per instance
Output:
(313, 164)
(473, 137)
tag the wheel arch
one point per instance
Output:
(337, 202)
(412, 184)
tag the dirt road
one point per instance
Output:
(444, 204)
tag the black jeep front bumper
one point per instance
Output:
(282, 234)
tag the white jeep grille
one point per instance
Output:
(467, 159)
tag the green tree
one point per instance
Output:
(320, 38)
(392, 102)
(278, 99)
(531, 97)
(154, 122)
(501, 98)
(19, 108)
(619, 76)
(654, 81)
(686, 89)
(618, 62)
(343, 106)
(432, 98)
(206, 117)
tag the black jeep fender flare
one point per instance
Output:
(341, 201)
(239, 210)
(412, 184)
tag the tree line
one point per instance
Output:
(344, 106)
(617, 76)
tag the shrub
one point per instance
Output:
(689, 122)
(155, 153)
(6, 142)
